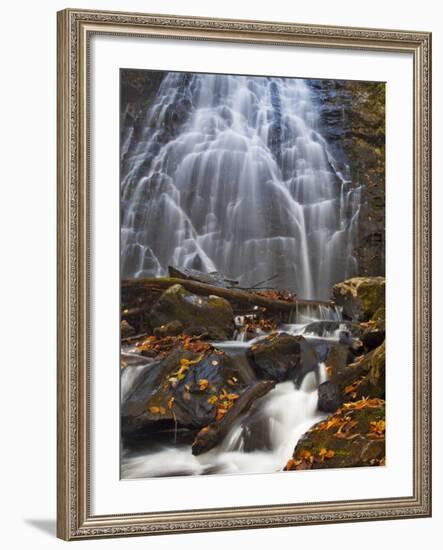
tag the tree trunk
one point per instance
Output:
(231, 294)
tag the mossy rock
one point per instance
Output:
(353, 436)
(211, 312)
(360, 297)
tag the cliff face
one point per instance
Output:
(353, 122)
(137, 90)
(352, 119)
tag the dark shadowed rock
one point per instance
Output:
(282, 357)
(373, 337)
(329, 397)
(374, 333)
(211, 312)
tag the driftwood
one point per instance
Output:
(231, 294)
(210, 436)
(260, 283)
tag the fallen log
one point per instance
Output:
(231, 294)
(215, 278)
(210, 436)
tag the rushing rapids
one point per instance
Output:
(261, 440)
(231, 173)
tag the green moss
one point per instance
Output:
(364, 417)
(372, 296)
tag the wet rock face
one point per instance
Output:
(181, 390)
(206, 378)
(353, 122)
(177, 304)
(329, 397)
(282, 357)
(360, 297)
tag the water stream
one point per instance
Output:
(263, 439)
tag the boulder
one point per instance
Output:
(282, 357)
(211, 312)
(360, 297)
(173, 328)
(197, 393)
(353, 436)
(180, 391)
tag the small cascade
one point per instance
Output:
(305, 313)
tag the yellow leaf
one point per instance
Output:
(203, 384)
(156, 410)
(232, 396)
(213, 399)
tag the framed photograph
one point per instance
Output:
(243, 274)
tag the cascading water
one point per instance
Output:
(231, 174)
(262, 440)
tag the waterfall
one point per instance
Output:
(232, 174)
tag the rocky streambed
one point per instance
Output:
(218, 379)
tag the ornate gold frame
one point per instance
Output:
(75, 28)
